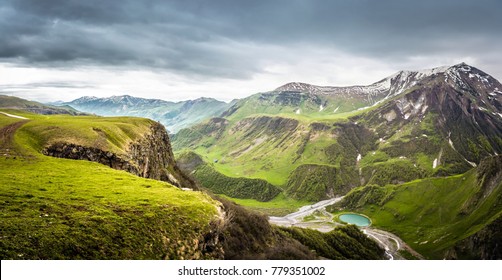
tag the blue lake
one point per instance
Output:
(355, 219)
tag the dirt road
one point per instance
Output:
(323, 221)
(7, 135)
(13, 116)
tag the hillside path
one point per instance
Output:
(7, 135)
(13, 116)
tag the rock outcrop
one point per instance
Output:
(150, 156)
(486, 243)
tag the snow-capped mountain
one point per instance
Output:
(303, 98)
(398, 83)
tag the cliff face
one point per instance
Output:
(153, 155)
(150, 156)
(486, 244)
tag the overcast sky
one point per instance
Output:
(176, 50)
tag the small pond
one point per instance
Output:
(355, 219)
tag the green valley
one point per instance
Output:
(422, 132)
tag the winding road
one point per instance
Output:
(323, 222)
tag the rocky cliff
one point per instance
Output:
(150, 156)
(486, 244)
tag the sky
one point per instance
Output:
(54, 50)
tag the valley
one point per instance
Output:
(88, 187)
(417, 130)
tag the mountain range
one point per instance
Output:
(439, 121)
(315, 143)
(173, 115)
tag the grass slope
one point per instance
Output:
(277, 148)
(218, 183)
(432, 214)
(264, 147)
(66, 209)
(106, 133)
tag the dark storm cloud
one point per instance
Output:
(209, 38)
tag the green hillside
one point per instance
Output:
(68, 209)
(12, 102)
(316, 159)
(296, 105)
(109, 134)
(434, 214)
(218, 183)
(264, 147)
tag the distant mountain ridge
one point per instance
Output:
(307, 99)
(382, 85)
(441, 121)
(174, 115)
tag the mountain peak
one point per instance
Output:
(295, 86)
(84, 99)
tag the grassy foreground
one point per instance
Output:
(54, 208)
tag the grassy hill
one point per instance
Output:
(12, 102)
(55, 208)
(109, 134)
